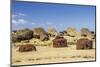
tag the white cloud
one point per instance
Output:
(49, 23)
(21, 14)
(33, 23)
(60, 24)
(18, 18)
(19, 21)
(14, 21)
(22, 21)
(18, 15)
(14, 15)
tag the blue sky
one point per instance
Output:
(31, 15)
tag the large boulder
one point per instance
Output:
(93, 34)
(84, 43)
(41, 34)
(59, 42)
(72, 32)
(61, 34)
(52, 31)
(44, 37)
(24, 34)
(39, 31)
(27, 48)
(36, 36)
(87, 33)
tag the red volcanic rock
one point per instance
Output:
(59, 42)
(84, 44)
(26, 48)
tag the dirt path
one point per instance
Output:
(47, 54)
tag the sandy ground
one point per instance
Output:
(47, 54)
